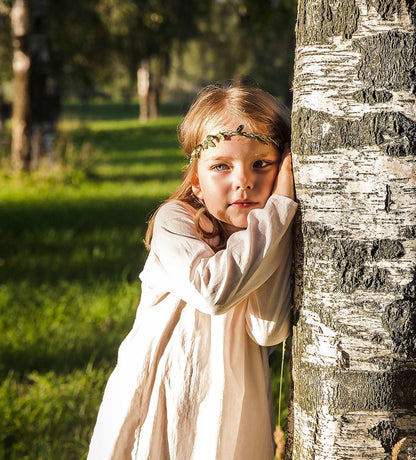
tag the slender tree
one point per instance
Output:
(143, 87)
(20, 20)
(31, 68)
(354, 144)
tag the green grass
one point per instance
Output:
(70, 254)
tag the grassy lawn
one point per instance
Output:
(70, 254)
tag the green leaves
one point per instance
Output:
(209, 140)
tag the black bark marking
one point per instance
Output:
(411, 7)
(388, 201)
(377, 338)
(371, 96)
(343, 358)
(388, 8)
(386, 433)
(408, 232)
(298, 265)
(387, 60)
(392, 132)
(323, 19)
(387, 249)
(399, 319)
(350, 258)
(409, 291)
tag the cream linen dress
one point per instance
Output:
(192, 377)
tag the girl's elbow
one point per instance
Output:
(267, 335)
(269, 340)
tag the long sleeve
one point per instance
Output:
(268, 307)
(215, 282)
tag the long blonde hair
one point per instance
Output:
(213, 107)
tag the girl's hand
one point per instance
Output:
(284, 184)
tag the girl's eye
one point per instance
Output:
(261, 164)
(220, 167)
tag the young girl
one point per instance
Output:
(192, 377)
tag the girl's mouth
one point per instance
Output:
(244, 203)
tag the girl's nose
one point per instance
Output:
(243, 180)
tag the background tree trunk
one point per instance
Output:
(354, 144)
(143, 87)
(20, 19)
(32, 120)
(149, 85)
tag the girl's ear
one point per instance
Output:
(196, 187)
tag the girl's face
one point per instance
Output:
(234, 177)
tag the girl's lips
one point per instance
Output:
(244, 203)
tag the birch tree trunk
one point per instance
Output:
(143, 87)
(354, 144)
(20, 20)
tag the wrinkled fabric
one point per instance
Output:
(192, 377)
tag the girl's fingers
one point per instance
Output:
(286, 159)
(284, 182)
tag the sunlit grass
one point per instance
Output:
(44, 416)
(71, 251)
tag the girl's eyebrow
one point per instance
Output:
(219, 157)
(255, 155)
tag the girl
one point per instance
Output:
(192, 377)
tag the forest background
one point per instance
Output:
(72, 219)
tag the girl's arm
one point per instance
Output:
(215, 282)
(268, 312)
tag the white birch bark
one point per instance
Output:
(354, 145)
(143, 87)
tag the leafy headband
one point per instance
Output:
(209, 140)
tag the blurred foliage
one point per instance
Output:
(81, 56)
(5, 49)
(145, 28)
(97, 45)
(242, 40)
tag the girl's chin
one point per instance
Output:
(234, 227)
